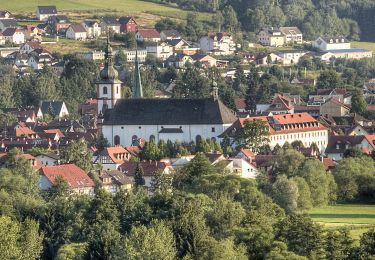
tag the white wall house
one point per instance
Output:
(14, 35)
(290, 57)
(93, 28)
(43, 12)
(218, 42)
(331, 43)
(76, 32)
(160, 50)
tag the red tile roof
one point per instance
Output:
(371, 140)
(71, 173)
(240, 103)
(149, 33)
(328, 163)
(24, 131)
(247, 152)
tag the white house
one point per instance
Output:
(39, 58)
(109, 23)
(150, 35)
(4, 14)
(49, 159)
(93, 28)
(290, 57)
(221, 41)
(8, 23)
(30, 47)
(169, 35)
(288, 128)
(43, 12)
(244, 168)
(331, 43)
(292, 34)
(130, 55)
(57, 109)
(76, 32)
(160, 50)
(14, 35)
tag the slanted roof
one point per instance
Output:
(78, 28)
(24, 131)
(339, 144)
(169, 112)
(125, 19)
(9, 23)
(149, 167)
(50, 9)
(71, 173)
(90, 23)
(3, 13)
(340, 39)
(290, 30)
(52, 106)
(10, 31)
(118, 177)
(240, 103)
(111, 21)
(149, 33)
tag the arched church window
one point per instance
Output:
(117, 140)
(105, 90)
(152, 138)
(134, 140)
(198, 139)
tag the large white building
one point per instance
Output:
(220, 43)
(289, 128)
(331, 43)
(185, 120)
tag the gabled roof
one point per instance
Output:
(90, 23)
(111, 21)
(174, 42)
(113, 153)
(126, 19)
(4, 12)
(170, 111)
(50, 9)
(24, 131)
(117, 177)
(9, 23)
(149, 167)
(10, 31)
(240, 103)
(337, 102)
(247, 152)
(71, 173)
(338, 144)
(290, 30)
(54, 107)
(78, 28)
(33, 44)
(59, 18)
(149, 33)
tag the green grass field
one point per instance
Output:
(365, 45)
(357, 217)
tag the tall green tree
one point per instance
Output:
(253, 135)
(77, 152)
(139, 179)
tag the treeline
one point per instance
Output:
(350, 18)
(74, 86)
(200, 214)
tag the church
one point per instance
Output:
(125, 121)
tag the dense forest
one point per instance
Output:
(354, 19)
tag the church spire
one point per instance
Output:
(137, 85)
(108, 73)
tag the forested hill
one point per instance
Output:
(354, 19)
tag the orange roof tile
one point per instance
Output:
(71, 173)
(21, 131)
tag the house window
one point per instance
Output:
(213, 129)
(117, 140)
(134, 139)
(105, 90)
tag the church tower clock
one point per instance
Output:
(109, 86)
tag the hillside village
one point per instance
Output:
(279, 106)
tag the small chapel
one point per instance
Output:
(125, 121)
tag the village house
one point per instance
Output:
(290, 57)
(7, 23)
(322, 95)
(93, 28)
(292, 35)
(114, 181)
(221, 43)
(112, 157)
(160, 50)
(76, 32)
(150, 35)
(14, 35)
(25, 132)
(32, 33)
(43, 12)
(267, 59)
(127, 24)
(350, 54)
(280, 105)
(30, 46)
(288, 128)
(150, 168)
(179, 60)
(57, 109)
(271, 37)
(48, 159)
(58, 23)
(337, 145)
(77, 179)
(109, 23)
(39, 58)
(205, 60)
(4, 14)
(170, 35)
(331, 43)
(182, 46)
(334, 107)
(131, 54)
(91, 55)
(244, 168)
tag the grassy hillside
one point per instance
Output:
(29, 6)
(359, 218)
(366, 45)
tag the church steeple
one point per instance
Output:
(137, 85)
(108, 73)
